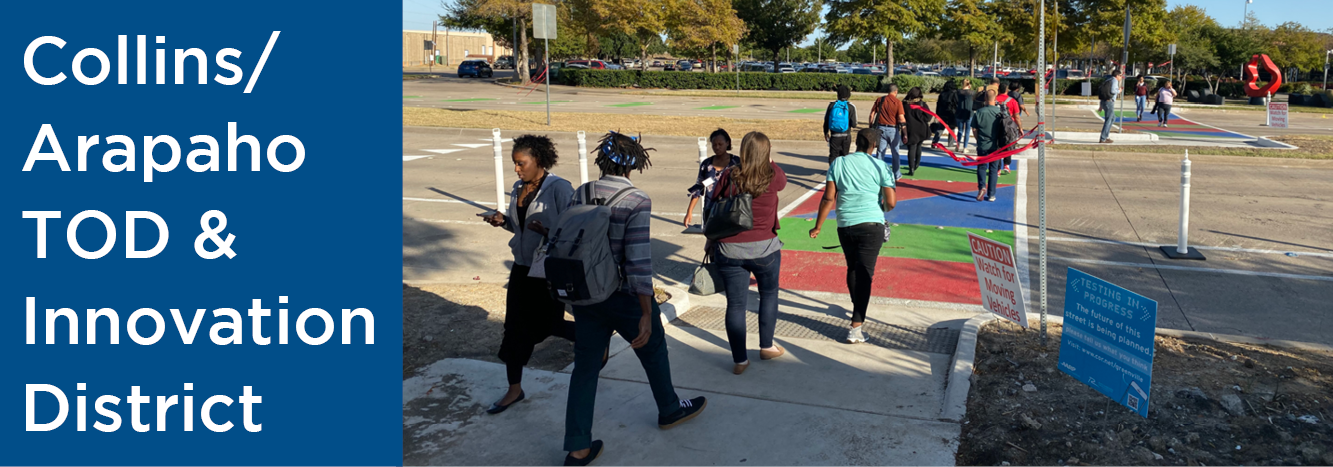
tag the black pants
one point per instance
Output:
(860, 246)
(839, 146)
(531, 315)
(914, 155)
(619, 313)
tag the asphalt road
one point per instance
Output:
(451, 92)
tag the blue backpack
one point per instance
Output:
(838, 121)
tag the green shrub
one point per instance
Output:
(696, 80)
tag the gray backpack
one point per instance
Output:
(579, 265)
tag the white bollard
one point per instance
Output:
(703, 149)
(500, 204)
(1268, 115)
(1182, 250)
(583, 158)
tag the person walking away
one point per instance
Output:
(1016, 93)
(963, 116)
(631, 311)
(531, 315)
(1140, 98)
(756, 251)
(946, 107)
(918, 127)
(1106, 95)
(709, 170)
(988, 128)
(1012, 105)
(856, 185)
(888, 117)
(1165, 97)
(839, 119)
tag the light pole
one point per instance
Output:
(1326, 54)
(1242, 28)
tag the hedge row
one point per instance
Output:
(693, 80)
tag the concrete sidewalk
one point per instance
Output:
(824, 402)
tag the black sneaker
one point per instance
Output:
(596, 450)
(689, 408)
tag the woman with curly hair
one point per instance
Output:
(531, 315)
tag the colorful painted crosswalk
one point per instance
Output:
(927, 256)
(1177, 126)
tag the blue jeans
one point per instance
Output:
(988, 174)
(1108, 111)
(593, 324)
(963, 128)
(736, 273)
(889, 139)
(1140, 102)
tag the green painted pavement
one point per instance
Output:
(805, 111)
(411, 97)
(954, 174)
(470, 100)
(718, 107)
(631, 104)
(907, 240)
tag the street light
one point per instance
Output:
(1326, 54)
(1242, 28)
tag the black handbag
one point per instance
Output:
(707, 278)
(729, 214)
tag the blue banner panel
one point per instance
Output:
(1107, 342)
(202, 234)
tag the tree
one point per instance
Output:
(1293, 45)
(1194, 48)
(704, 25)
(967, 22)
(876, 20)
(494, 17)
(777, 24)
(644, 20)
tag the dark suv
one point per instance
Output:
(475, 68)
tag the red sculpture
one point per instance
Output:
(1252, 75)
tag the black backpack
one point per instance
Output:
(1104, 92)
(947, 106)
(1011, 131)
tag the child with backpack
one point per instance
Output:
(839, 119)
(599, 259)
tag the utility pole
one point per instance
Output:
(1124, 60)
(1242, 28)
(1041, 166)
(434, 35)
(1326, 54)
(1055, 64)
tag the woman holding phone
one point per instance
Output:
(709, 170)
(531, 314)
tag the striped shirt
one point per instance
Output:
(630, 244)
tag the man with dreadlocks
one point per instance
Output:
(630, 311)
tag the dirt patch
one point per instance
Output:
(807, 129)
(464, 321)
(1212, 404)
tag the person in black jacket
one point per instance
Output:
(918, 127)
(946, 108)
(840, 142)
(963, 116)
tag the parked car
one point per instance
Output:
(593, 64)
(504, 63)
(926, 73)
(861, 71)
(684, 65)
(475, 68)
(1070, 74)
(657, 63)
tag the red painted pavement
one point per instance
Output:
(907, 189)
(912, 279)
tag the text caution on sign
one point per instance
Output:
(1108, 339)
(1277, 114)
(1000, 292)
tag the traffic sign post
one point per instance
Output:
(1108, 339)
(1277, 114)
(736, 50)
(543, 27)
(997, 277)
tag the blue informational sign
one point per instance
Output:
(133, 335)
(1108, 339)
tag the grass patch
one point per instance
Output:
(813, 95)
(805, 111)
(718, 107)
(803, 129)
(1311, 147)
(416, 76)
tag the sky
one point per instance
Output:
(1314, 14)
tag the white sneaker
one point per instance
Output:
(855, 335)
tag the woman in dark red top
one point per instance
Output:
(1140, 97)
(757, 250)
